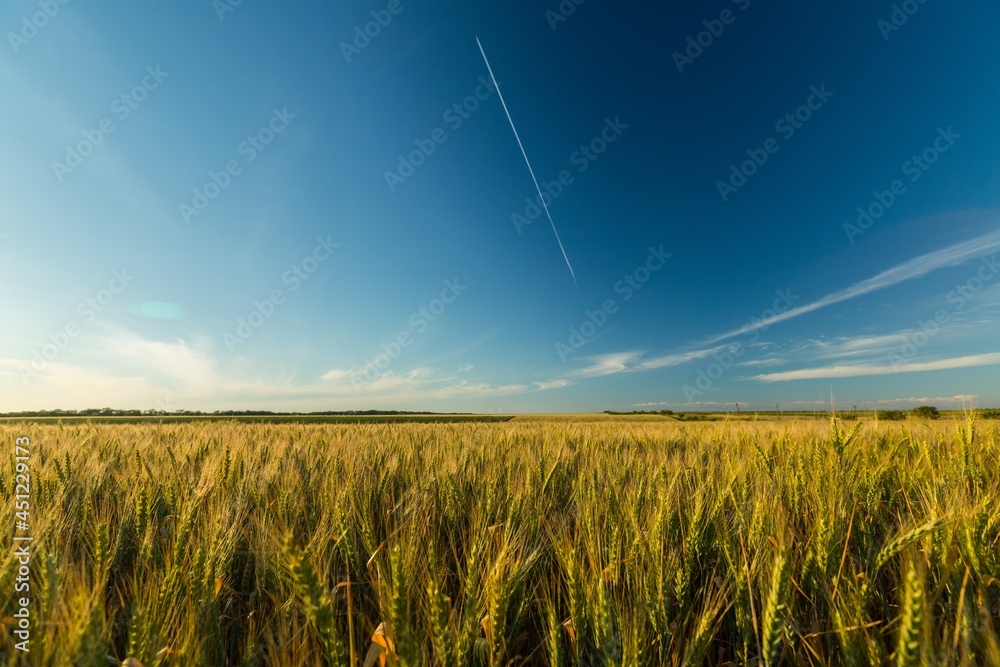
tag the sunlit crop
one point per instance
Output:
(606, 541)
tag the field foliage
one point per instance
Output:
(562, 542)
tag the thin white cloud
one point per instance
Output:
(856, 346)
(958, 328)
(552, 384)
(914, 268)
(844, 347)
(680, 358)
(632, 362)
(336, 374)
(180, 361)
(609, 364)
(863, 370)
(763, 363)
(622, 362)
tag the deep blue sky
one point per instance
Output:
(860, 303)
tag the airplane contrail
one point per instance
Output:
(541, 197)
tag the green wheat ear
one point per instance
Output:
(316, 601)
(909, 647)
(137, 634)
(775, 609)
(900, 542)
(440, 619)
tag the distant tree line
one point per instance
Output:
(110, 412)
(921, 412)
(930, 412)
(681, 416)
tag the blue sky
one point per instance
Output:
(215, 206)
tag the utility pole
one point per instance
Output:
(737, 408)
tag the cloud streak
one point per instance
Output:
(632, 362)
(864, 370)
(914, 268)
(840, 348)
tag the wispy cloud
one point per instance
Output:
(609, 364)
(679, 358)
(178, 360)
(763, 363)
(856, 347)
(862, 370)
(914, 268)
(336, 374)
(116, 366)
(633, 362)
(960, 328)
(552, 384)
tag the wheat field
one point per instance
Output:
(533, 541)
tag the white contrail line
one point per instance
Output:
(541, 197)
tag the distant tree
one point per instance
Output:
(989, 414)
(891, 415)
(926, 412)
